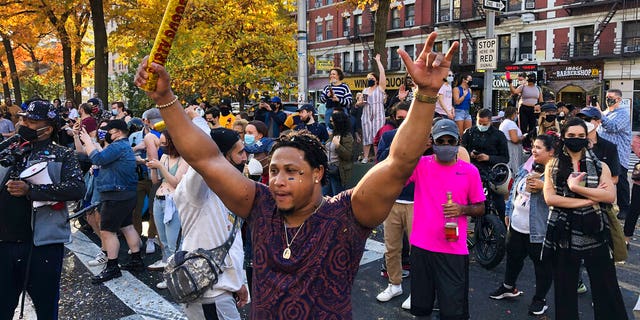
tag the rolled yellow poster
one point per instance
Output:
(173, 15)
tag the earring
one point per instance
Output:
(316, 181)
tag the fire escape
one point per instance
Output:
(584, 50)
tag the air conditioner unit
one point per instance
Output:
(345, 33)
(628, 49)
(409, 23)
(318, 4)
(526, 56)
(444, 18)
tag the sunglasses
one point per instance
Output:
(449, 141)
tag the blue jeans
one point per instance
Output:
(333, 186)
(168, 232)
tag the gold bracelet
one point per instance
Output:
(162, 106)
(425, 98)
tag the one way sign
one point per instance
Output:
(497, 5)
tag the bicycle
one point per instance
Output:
(489, 232)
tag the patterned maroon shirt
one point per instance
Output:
(316, 281)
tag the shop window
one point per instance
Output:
(394, 60)
(635, 112)
(504, 48)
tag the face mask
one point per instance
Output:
(224, 111)
(108, 138)
(164, 150)
(29, 134)
(371, 83)
(450, 79)
(445, 153)
(483, 128)
(249, 139)
(611, 101)
(561, 116)
(114, 112)
(575, 144)
(399, 121)
(239, 166)
(550, 117)
(101, 134)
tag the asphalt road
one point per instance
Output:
(136, 297)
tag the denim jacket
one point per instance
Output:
(117, 167)
(538, 209)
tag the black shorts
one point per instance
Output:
(116, 214)
(441, 275)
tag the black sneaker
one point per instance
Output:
(503, 292)
(107, 274)
(538, 307)
(134, 265)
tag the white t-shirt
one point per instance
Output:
(508, 125)
(447, 96)
(207, 223)
(521, 208)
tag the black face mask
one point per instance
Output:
(239, 166)
(576, 144)
(611, 101)
(108, 138)
(550, 117)
(29, 134)
(225, 111)
(371, 83)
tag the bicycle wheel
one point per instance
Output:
(490, 246)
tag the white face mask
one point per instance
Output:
(450, 79)
(483, 128)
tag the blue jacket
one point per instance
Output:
(538, 209)
(117, 167)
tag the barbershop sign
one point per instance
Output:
(573, 72)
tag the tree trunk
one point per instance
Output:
(101, 50)
(5, 81)
(67, 64)
(77, 56)
(380, 34)
(12, 68)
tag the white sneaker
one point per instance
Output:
(161, 285)
(407, 303)
(393, 290)
(151, 247)
(100, 259)
(158, 265)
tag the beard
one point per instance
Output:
(286, 212)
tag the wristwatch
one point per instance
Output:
(425, 98)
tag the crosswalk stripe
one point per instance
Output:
(131, 291)
(373, 250)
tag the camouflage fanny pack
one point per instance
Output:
(190, 273)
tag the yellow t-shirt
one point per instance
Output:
(227, 121)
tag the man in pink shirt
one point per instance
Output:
(439, 263)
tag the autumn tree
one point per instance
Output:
(223, 48)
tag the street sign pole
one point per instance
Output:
(488, 74)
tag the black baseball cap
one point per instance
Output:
(116, 124)
(40, 110)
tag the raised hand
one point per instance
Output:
(162, 94)
(429, 68)
(402, 92)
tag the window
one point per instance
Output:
(411, 51)
(525, 43)
(410, 15)
(583, 41)
(448, 10)
(346, 26)
(329, 30)
(631, 39)
(347, 64)
(456, 56)
(395, 18)
(319, 31)
(329, 2)
(514, 5)
(358, 24)
(359, 62)
(504, 48)
(437, 47)
(394, 59)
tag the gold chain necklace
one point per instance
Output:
(286, 254)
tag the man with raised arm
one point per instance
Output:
(306, 248)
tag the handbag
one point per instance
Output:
(618, 244)
(635, 174)
(190, 273)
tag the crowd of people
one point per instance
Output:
(276, 186)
